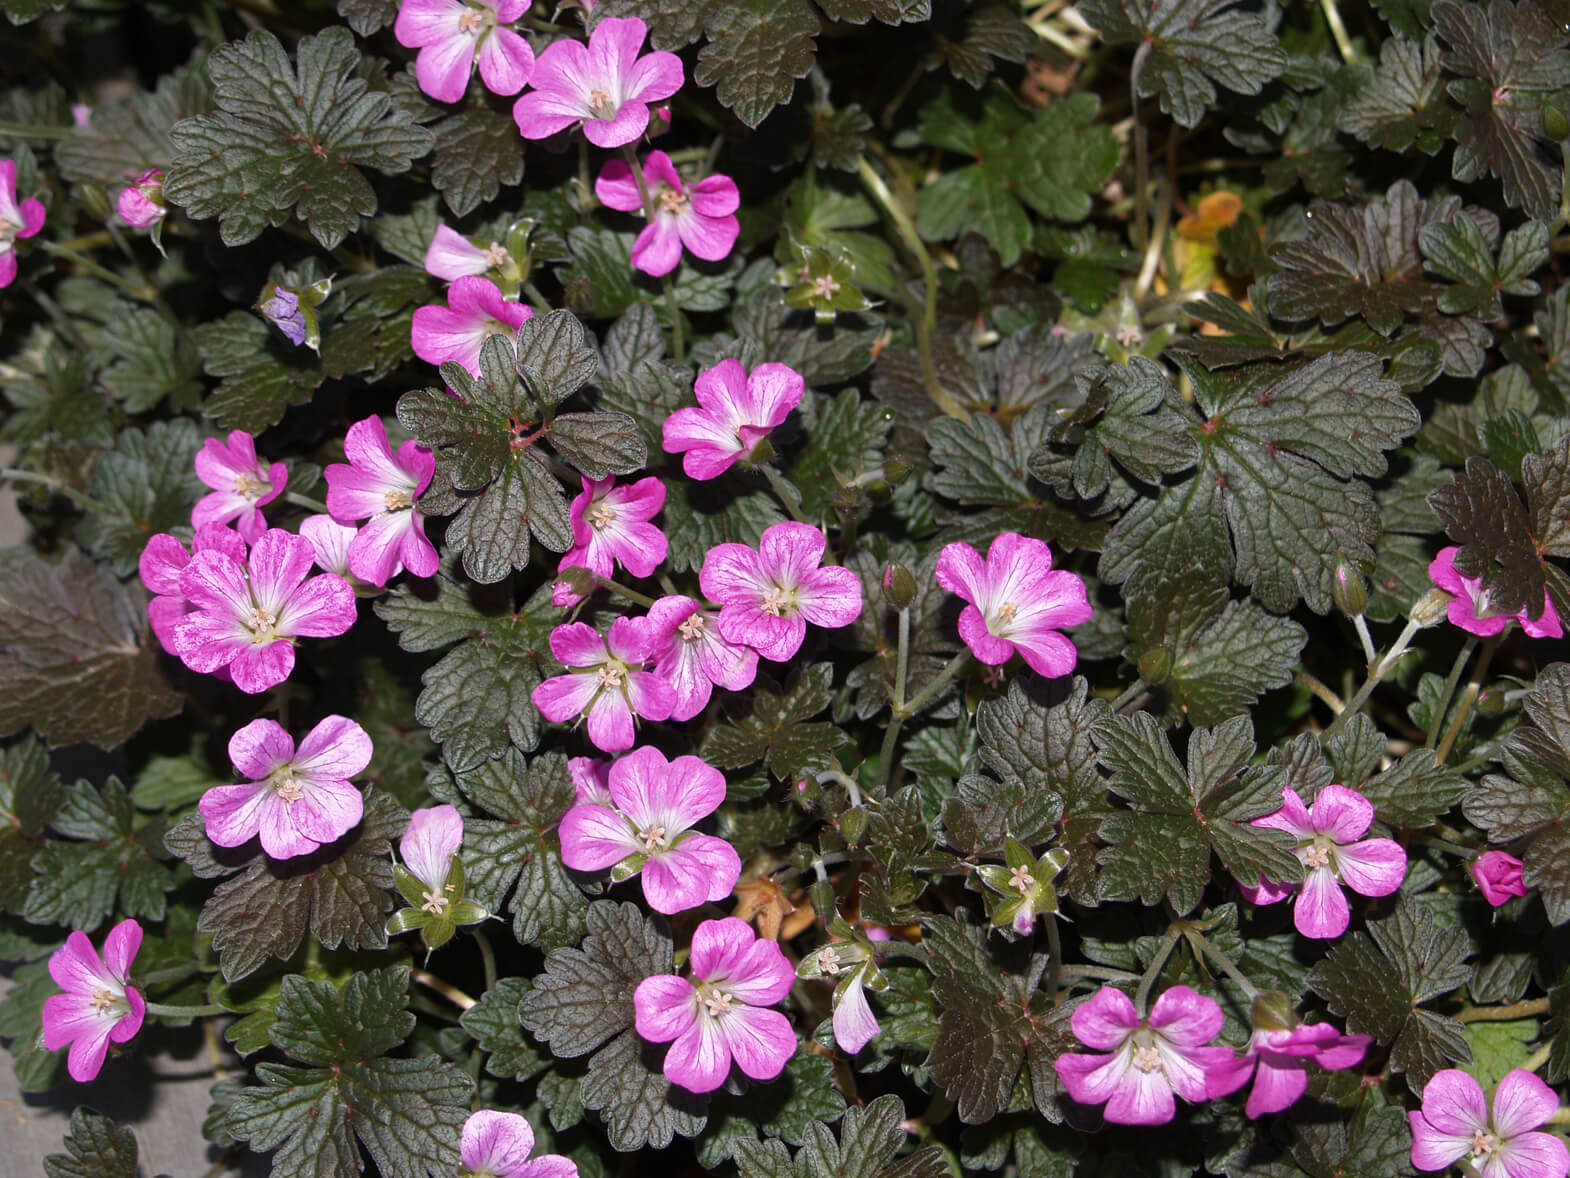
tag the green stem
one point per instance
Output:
(487, 956)
(1148, 979)
(1141, 154)
(304, 501)
(1539, 1057)
(175, 973)
(899, 715)
(1338, 31)
(621, 590)
(902, 660)
(1376, 673)
(92, 267)
(1130, 692)
(1528, 1008)
(446, 989)
(1360, 624)
(783, 491)
(1101, 973)
(678, 346)
(1449, 691)
(1054, 957)
(87, 241)
(159, 1010)
(80, 498)
(849, 782)
(1469, 696)
(30, 131)
(587, 201)
(1202, 943)
(538, 301)
(1331, 699)
(1560, 1116)
(944, 677)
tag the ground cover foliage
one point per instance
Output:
(1255, 313)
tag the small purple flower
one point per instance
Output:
(591, 781)
(329, 542)
(16, 220)
(610, 524)
(703, 218)
(381, 487)
(282, 309)
(605, 681)
(1454, 1124)
(1017, 602)
(721, 1015)
(1469, 608)
(736, 410)
(1149, 1059)
(1498, 876)
(98, 1007)
(241, 487)
(431, 840)
(160, 566)
(451, 256)
(141, 202)
(451, 34)
(647, 829)
(1331, 848)
(475, 310)
(247, 615)
(497, 1145)
(1282, 1058)
(693, 656)
(768, 595)
(295, 799)
(604, 85)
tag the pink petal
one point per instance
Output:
(655, 76)
(665, 1007)
(281, 837)
(985, 645)
(563, 697)
(323, 607)
(329, 542)
(631, 639)
(232, 814)
(495, 1142)
(1048, 653)
(1443, 571)
(657, 251)
(760, 1041)
(1145, 1098)
(1534, 1155)
(830, 597)
(1321, 911)
(629, 122)
(86, 1058)
(278, 563)
(33, 214)
(610, 722)
(732, 574)
(1521, 1102)
(1373, 867)
(1185, 1017)
(219, 464)
(1104, 1020)
(376, 553)
(1293, 817)
(617, 189)
(773, 390)
(709, 238)
(443, 67)
(1278, 1085)
(700, 869)
(368, 451)
(328, 811)
(659, 174)
(699, 1060)
(7, 266)
(1433, 1149)
(576, 644)
(77, 968)
(506, 62)
(422, 21)
(539, 113)
(961, 571)
(715, 196)
(260, 668)
(854, 1023)
(451, 256)
(161, 562)
(259, 748)
(1092, 1079)
(215, 582)
(335, 750)
(131, 1022)
(594, 838)
(1343, 814)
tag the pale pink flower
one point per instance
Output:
(329, 542)
(451, 34)
(1454, 1124)
(282, 309)
(1017, 602)
(16, 221)
(1282, 1058)
(241, 486)
(1498, 876)
(610, 524)
(1469, 608)
(702, 218)
(721, 1015)
(475, 311)
(141, 202)
(451, 256)
(604, 85)
(769, 594)
(647, 829)
(693, 656)
(855, 965)
(497, 1145)
(98, 1006)
(1333, 851)
(605, 681)
(295, 799)
(736, 410)
(591, 781)
(381, 487)
(160, 566)
(247, 615)
(1149, 1059)
(431, 840)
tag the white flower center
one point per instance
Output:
(245, 485)
(1317, 856)
(496, 256)
(777, 601)
(435, 903)
(717, 1002)
(653, 839)
(601, 516)
(397, 501)
(671, 201)
(1007, 611)
(1147, 1059)
(600, 104)
(825, 287)
(1021, 878)
(692, 627)
(289, 790)
(1483, 1143)
(610, 675)
(829, 963)
(261, 623)
(104, 1000)
(470, 22)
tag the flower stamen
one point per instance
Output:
(692, 627)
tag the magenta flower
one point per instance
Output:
(768, 595)
(591, 781)
(720, 1015)
(604, 85)
(1149, 1059)
(1282, 1058)
(610, 524)
(451, 256)
(141, 202)
(693, 656)
(248, 614)
(1498, 876)
(98, 1007)
(432, 838)
(295, 799)
(240, 485)
(648, 829)
(17, 220)
(451, 34)
(475, 310)
(605, 681)
(162, 562)
(329, 542)
(1454, 1124)
(497, 1145)
(702, 219)
(736, 410)
(1469, 608)
(1017, 602)
(1331, 848)
(381, 487)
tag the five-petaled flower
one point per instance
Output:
(1017, 602)
(702, 218)
(98, 1007)
(605, 681)
(1331, 848)
(16, 220)
(295, 799)
(610, 524)
(497, 1145)
(381, 487)
(141, 202)
(693, 656)
(1281, 1058)
(474, 312)
(160, 566)
(604, 85)
(736, 410)
(648, 829)
(1454, 1125)
(1498, 876)
(1470, 609)
(451, 34)
(329, 542)
(768, 595)
(722, 1013)
(241, 485)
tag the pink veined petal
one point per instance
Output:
(323, 607)
(594, 838)
(162, 614)
(641, 548)
(577, 644)
(629, 122)
(1462, 613)
(70, 1016)
(1267, 892)
(216, 582)
(451, 256)
(422, 21)
(632, 640)
(281, 836)
(1522, 1101)
(699, 1059)
(701, 869)
(617, 189)
(657, 251)
(354, 494)
(776, 639)
(232, 814)
(131, 1022)
(664, 1007)
(443, 67)
(8, 210)
(506, 62)
(1104, 1020)
(376, 552)
(614, 45)
(715, 196)
(540, 114)
(830, 597)
(223, 540)
(649, 695)
(610, 722)
(1433, 1149)
(719, 946)
(219, 508)
(1293, 817)
(335, 750)
(655, 76)
(760, 1041)
(710, 446)
(329, 542)
(760, 974)
(854, 1023)
(220, 464)
(1278, 1084)
(722, 390)
(591, 780)
(1532, 1155)
(1547, 624)
(1442, 571)
(733, 574)
(1185, 1017)
(1058, 600)
(278, 563)
(1373, 867)
(418, 554)
(1046, 652)
(161, 563)
(1321, 911)
(88, 1051)
(495, 1142)
(961, 571)
(1144, 1098)
(681, 667)
(1343, 814)
(328, 811)
(1224, 1071)
(256, 669)
(368, 451)
(985, 645)
(773, 390)
(727, 664)
(259, 748)
(7, 265)
(562, 698)
(76, 967)
(659, 173)
(1092, 1079)
(1184, 1069)
(205, 642)
(439, 334)
(550, 1165)
(641, 787)
(33, 214)
(709, 238)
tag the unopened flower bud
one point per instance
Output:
(821, 896)
(96, 201)
(141, 202)
(896, 469)
(853, 824)
(1431, 608)
(579, 580)
(1273, 1011)
(1492, 701)
(899, 587)
(1155, 665)
(1349, 590)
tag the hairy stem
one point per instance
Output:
(305, 501)
(1330, 699)
(446, 989)
(1376, 673)
(487, 955)
(1202, 944)
(1527, 1008)
(621, 590)
(902, 660)
(1449, 691)
(80, 498)
(159, 1010)
(1148, 979)
(1338, 31)
(1054, 957)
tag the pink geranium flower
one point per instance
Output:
(141, 202)
(648, 829)
(604, 85)
(1470, 610)
(451, 34)
(451, 256)
(703, 218)
(605, 681)
(769, 594)
(381, 487)
(162, 562)
(1454, 1124)
(1498, 876)
(610, 524)
(736, 410)
(591, 781)
(295, 799)
(241, 487)
(475, 311)
(329, 542)
(98, 1007)
(16, 221)
(1017, 602)
(693, 656)
(497, 1145)
(1331, 848)
(1282, 1058)
(432, 838)
(247, 615)
(1149, 1059)
(720, 1015)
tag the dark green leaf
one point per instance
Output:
(477, 151)
(493, 1023)
(262, 374)
(144, 485)
(700, 515)
(1404, 105)
(368, 16)
(125, 138)
(993, 33)
(1483, 514)
(784, 1108)
(30, 794)
(777, 730)
(77, 882)
(756, 51)
(152, 360)
(769, 330)
(869, 1139)
(639, 1106)
(99, 1149)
